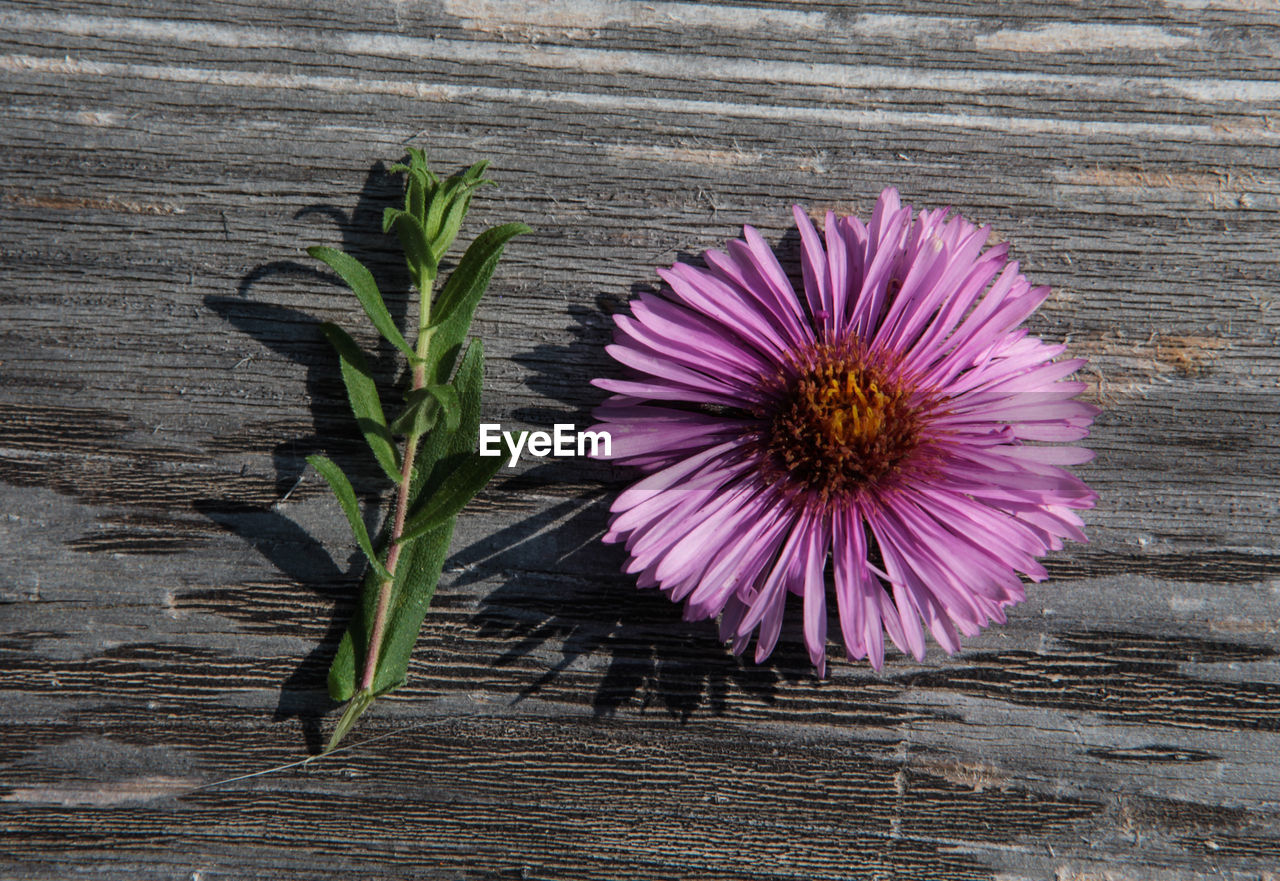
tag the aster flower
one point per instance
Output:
(878, 435)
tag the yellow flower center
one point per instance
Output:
(840, 423)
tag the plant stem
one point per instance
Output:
(374, 652)
(384, 592)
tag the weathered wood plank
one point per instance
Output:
(177, 581)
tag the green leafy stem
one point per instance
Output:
(435, 466)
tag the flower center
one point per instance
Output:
(841, 422)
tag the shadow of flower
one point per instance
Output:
(565, 590)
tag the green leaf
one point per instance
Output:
(360, 280)
(435, 209)
(416, 576)
(417, 251)
(347, 499)
(415, 194)
(447, 397)
(422, 408)
(354, 711)
(453, 310)
(453, 494)
(456, 196)
(420, 187)
(410, 601)
(418, 158)
(469, 384)
(365, 403)
(419, 415)
(475, 173)
(449, 227)
(440, 451)
(417, 162)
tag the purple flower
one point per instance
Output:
(886, 426)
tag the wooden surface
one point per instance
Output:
(175, 580)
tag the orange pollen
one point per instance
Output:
(840, 424)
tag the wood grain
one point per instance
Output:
(177, 581)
